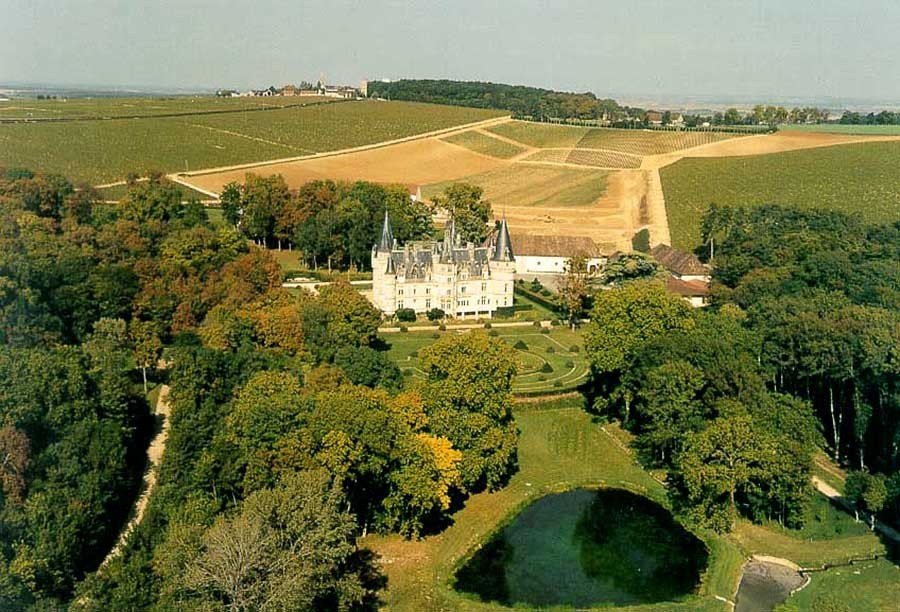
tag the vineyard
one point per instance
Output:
(526, 185)
(603, 159)
(484, 144)
(105, 151)
(540, 135)
(859, 179)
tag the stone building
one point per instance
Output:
(463, 280)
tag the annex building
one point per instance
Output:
(463, 280)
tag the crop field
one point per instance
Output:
(602, 159)
(101, 108)
(839, 128)
(106, 151)
(859, 179)
(547, 362)
(648, 142)
(484, 144)
(540, 135)
(528, 185)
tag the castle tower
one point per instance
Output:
(384, 273)
(503, 268)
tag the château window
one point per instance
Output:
(462, 289)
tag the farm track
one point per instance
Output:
(255, 138)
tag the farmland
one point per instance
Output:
(103, 108)
(859, 179)
(547, 362)
(484, 144)
(107, 150)
(534, 186)
(838, 128)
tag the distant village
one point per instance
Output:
(305, 88)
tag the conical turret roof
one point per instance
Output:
(503, 245)
(387, 236)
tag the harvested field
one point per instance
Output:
(484, 144)
(421, 162)
(603, 159)
(526, 185)
(859, 179)
(541, 135)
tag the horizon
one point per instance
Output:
(652, 50)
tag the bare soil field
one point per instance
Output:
(418, 162)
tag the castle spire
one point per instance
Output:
(503, 246)
(387, 236)
(447, 245)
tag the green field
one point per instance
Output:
(541, 135)
(560, 448)
(106, 151)
(859, 179)
(870, 586)
(838, 128)
(481, 143)
(567, 369)
(99, 108)
(534, 185)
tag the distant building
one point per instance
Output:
(289, 90)
(549, 254)
(462, 280)
(695, 292)
(654, 117)
(364, 89)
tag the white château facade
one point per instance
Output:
(462, 280)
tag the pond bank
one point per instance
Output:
(767, 582)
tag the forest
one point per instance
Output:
(521, 100)
(289, 437)
(798, 351)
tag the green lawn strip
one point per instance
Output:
(858, 179)
(560, 448)
(486, 145)
(871, 585)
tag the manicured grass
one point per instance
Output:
(871, 585)
(560, 448)
(837, 128)
(568, 369)
(534, 185)
(541, 135)
(486, 145)
(859, 179)
(104, 151)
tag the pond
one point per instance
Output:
(584, 548)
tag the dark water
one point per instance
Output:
(583, 548)
(765, 585)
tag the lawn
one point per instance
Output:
(106, 151)
(546, 362)
(534, 185)
(870, 585)
(484, 144)
(859, 179)
(560, 448)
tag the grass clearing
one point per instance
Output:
(871, 585)
(541, 135)
(542, 351)
(858, 179)
(534, 185)
(484, 144)
(105, 151)
(560, 448)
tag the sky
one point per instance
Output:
(763, 49)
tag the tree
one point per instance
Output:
(630, 267)
(732, 117)
(467, 399)
(470, 213)
(147, 346)
(15, 455)
(867, 492)
(289, 547)
(641, 241)
(574, 289)
(231, 203)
